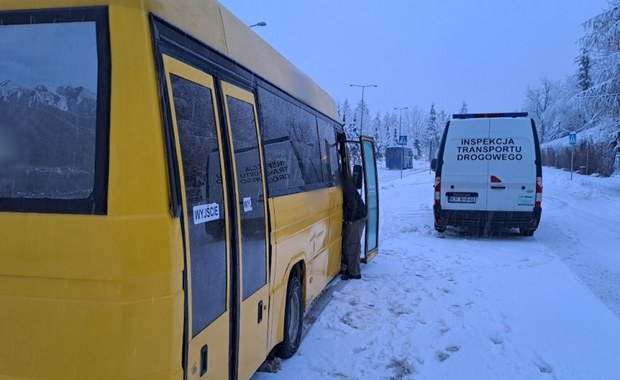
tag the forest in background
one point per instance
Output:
(587, 103)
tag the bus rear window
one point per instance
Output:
(53, 111)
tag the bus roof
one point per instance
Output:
(211, 23)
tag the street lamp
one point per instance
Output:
(363, 86)
(260, 23)
(400, 125)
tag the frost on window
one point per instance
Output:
(48, 106)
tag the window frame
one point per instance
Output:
(96, 203)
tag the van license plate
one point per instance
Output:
(461, 199)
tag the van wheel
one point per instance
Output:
(440, 228)
(526, 232)
(293, 319)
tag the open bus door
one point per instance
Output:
(371, 197)
(363, 160)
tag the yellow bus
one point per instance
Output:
(168, 192)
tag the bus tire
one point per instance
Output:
(526, 232)
(293, 319)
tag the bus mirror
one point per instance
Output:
(434, 164)
(357, 176)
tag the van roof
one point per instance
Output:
(488, 115)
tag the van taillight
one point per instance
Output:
(539, 188)
(437, 191)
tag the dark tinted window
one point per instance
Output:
(292, 148)
(193, 106)
(329, 151)
(251, 197)
(50, 108)
(305, 138)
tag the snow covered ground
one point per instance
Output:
(459, 306)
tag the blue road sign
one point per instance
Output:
(402, 140)
(572, 138)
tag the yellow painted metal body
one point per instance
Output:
(307, 228)
(101, 297)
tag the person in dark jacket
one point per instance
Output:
(355, 214)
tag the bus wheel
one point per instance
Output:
(293, 319)
(526, 232)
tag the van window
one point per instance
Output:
(49, 111)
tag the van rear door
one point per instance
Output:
(464, 174)
(512, 167)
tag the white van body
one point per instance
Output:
(489, 173)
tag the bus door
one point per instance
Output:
(362, 153)
(251, 211)
(371, 185)
(205, 218)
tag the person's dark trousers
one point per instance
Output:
(352, 236)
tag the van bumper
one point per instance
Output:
(498, 219)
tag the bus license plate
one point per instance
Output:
(462, 199)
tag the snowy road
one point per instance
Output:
(467, 307)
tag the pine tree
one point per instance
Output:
(379, 137)
(600, 42)
(583, 71)
(432, 131)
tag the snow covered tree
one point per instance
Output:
(602, 42)
(583, 70)
(362, 115)
(348, 120)
(464, 108)
(538, 100)
(416, 122)
(380, 140)
(390, 123)
(432, 131)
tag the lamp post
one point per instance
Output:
(400, 125)
(363, 86)
(260, 23)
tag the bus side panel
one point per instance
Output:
(300, 228)
(65, 310)
(89, 297)
(335, 232)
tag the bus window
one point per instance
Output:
(51, 116)
(250, 188)
(193, 105)
(285, 121)
(329, 154)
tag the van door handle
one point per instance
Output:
(498, 187)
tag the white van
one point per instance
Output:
(489, 173)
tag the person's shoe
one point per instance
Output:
(347, 276)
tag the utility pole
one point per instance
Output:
(363, 86)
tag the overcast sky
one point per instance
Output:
(483, 52)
